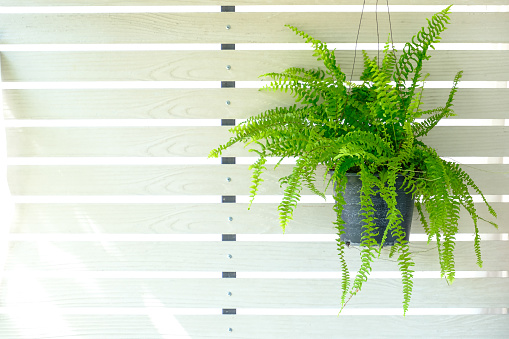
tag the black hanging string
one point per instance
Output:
(378, 39)
(356, 40)
(377, 35)
(390, 24)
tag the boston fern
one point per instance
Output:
(369, 129)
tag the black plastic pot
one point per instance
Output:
(352, 212)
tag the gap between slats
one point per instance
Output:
(63, 274)
(127, 161)
(189, 199)
(253, 311)
(36, 237)
(19, 123)
(207, 84)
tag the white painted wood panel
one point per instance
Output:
(150, 256)
(157, 324)
(245, 27)
(188, 219)
(207, 103)
(186, 180)
(314, 293)
(211, 65)
(97, 282)
(198, 141)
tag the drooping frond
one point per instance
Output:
(423, 128)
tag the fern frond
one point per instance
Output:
(291, 193)
(405, 263)
(339, 202)
(324, 54)
(423, 128)
(369, 230)
(415, 52)
(258, 168)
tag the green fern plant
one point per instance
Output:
(369, 129)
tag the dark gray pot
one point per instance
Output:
(352, 212)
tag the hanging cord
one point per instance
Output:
(390, 24)
(377, 35)
(392, 45)
(356, 40)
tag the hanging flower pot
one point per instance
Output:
(353, 218)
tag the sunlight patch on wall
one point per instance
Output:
(163, 320)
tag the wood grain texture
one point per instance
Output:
(198, 141)
(246, 293)
(183, 103)
(246, 256)
(211, 65)
(134, 308)
(245, 27)
(185, 180)
(189, 219)
(157, 325)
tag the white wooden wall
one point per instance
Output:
(119, 217)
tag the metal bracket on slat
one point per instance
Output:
(228, 160)
(227, 84)
(229, 237)
(229, 274)
(227, 122)
(226, 47)
(228, 199)
(227, 8)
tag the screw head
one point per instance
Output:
(230, 256)
(230, 329)
(229, 294)
(228, 102)
(228, 26)
(230, 218)
(228, 179)
(228, 67)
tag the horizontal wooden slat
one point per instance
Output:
(183, 103)
(246, 256)
(211, 65)
(175, 293)
(178, 141)
(185, 180)
(210, 27)
(198, 141)
(246, 293)
(226, 2)
(472, 141)
(157, 324)
(188, 219)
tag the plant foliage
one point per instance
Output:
(370, 129)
